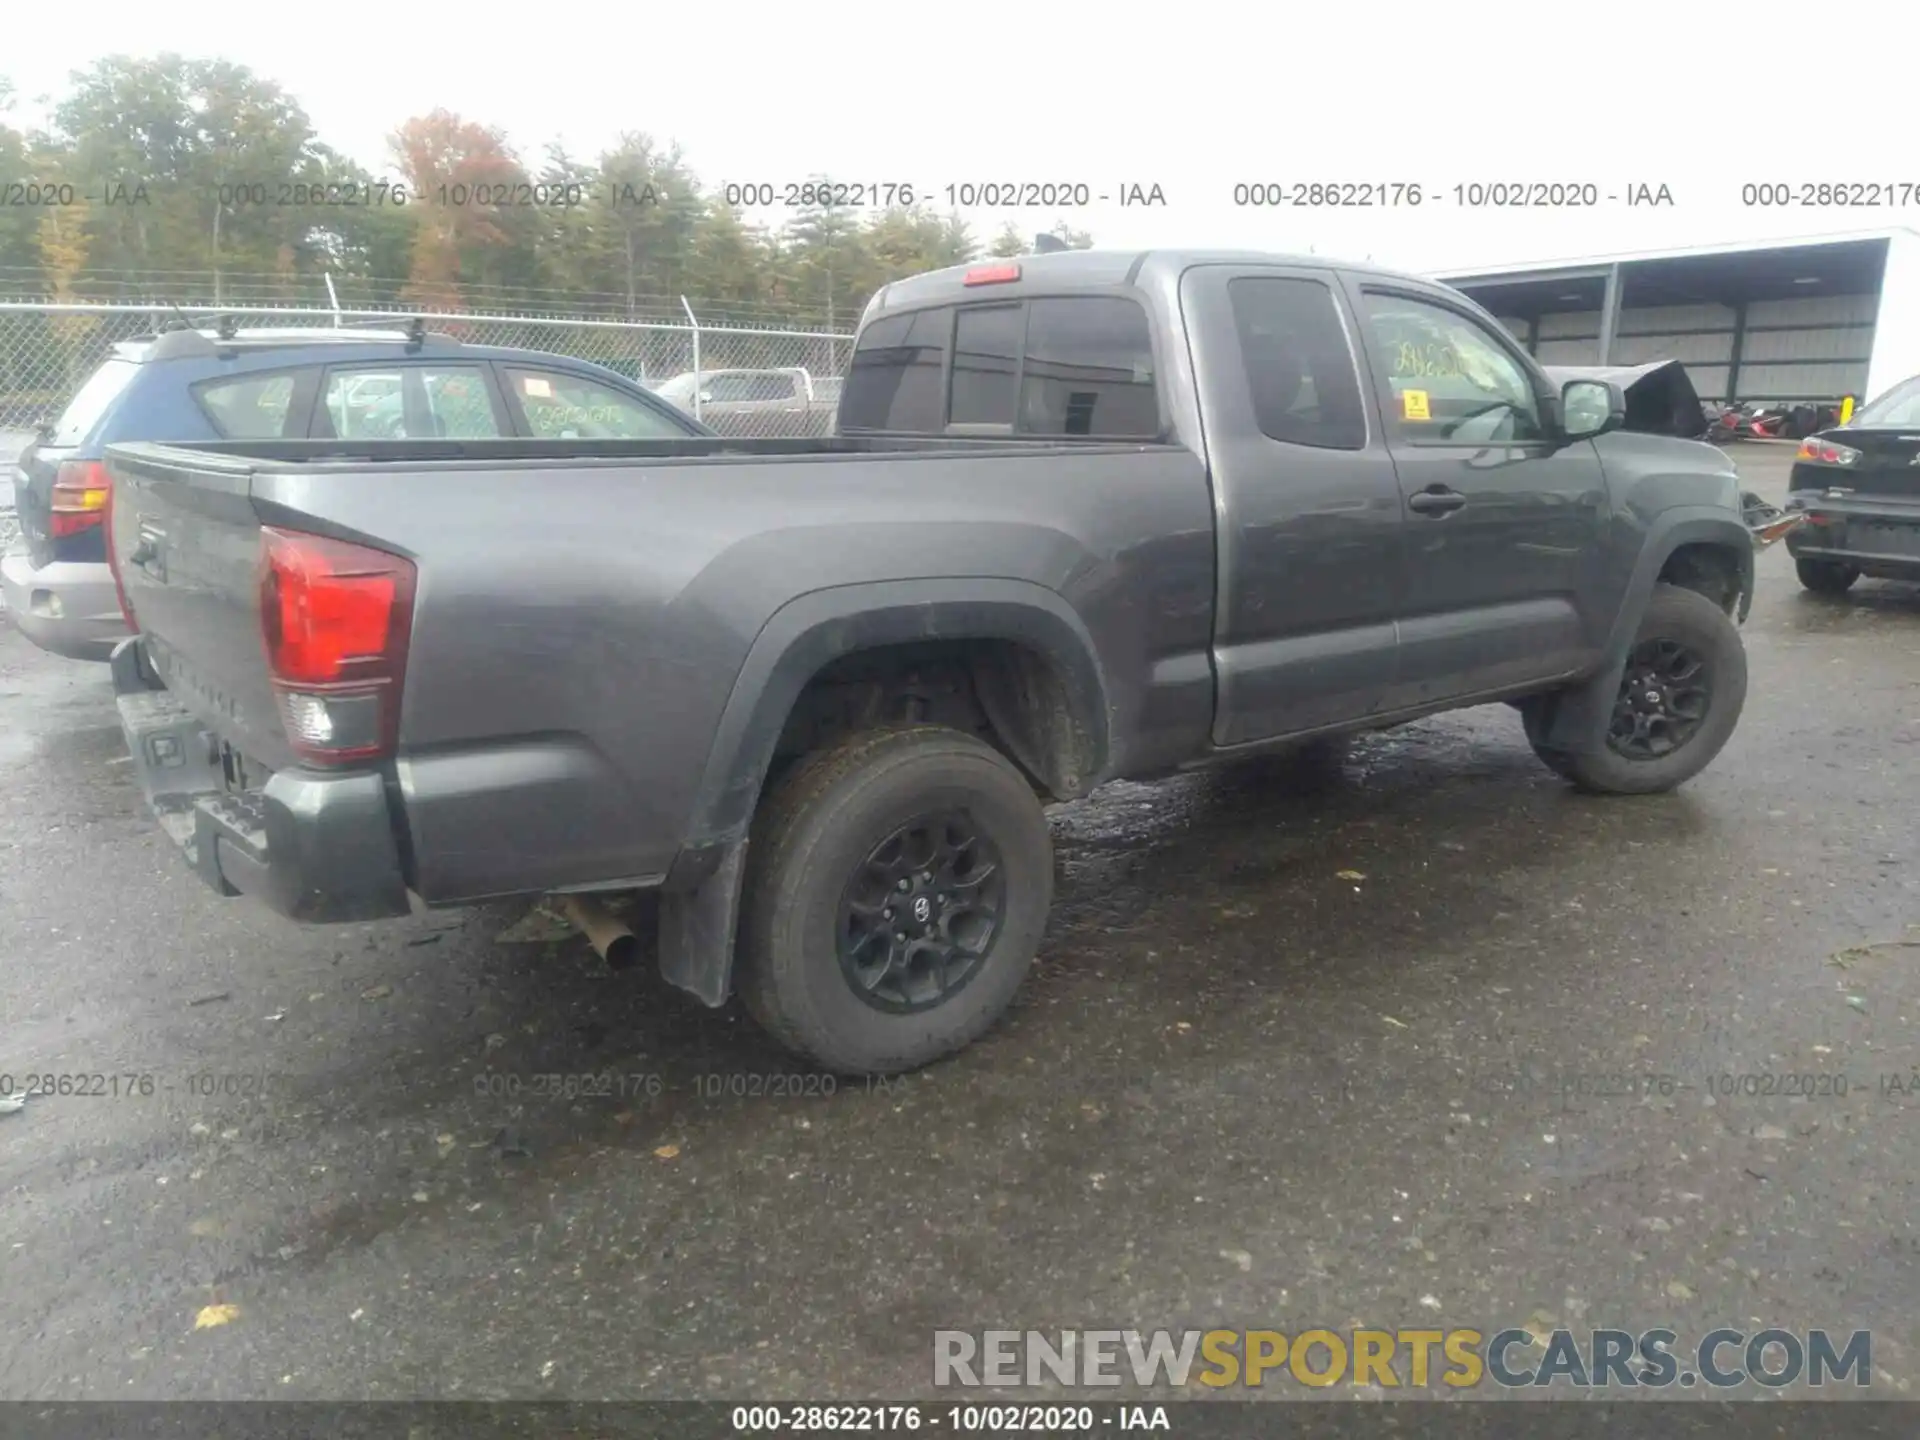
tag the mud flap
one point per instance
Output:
(697, 926)
(1577, 724)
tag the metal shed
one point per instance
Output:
(1801, 320)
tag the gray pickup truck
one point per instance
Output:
(1088, 516)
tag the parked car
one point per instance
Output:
(189, 385)
(1088, 516)
(1858, 486)
(768, 403)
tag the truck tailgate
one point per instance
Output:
(186, 541)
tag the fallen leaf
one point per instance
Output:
(1238, 1257)
(667, 1152)
(1391, 1021)
(1679, 1290)
(376, 992)
(1349, 875)
(215, 1315)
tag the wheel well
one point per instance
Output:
(1009, 695)
(1711, 570)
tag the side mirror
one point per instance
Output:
(706, 397)
(1591, 407)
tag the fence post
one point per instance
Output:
(335, 298)
(695, 323)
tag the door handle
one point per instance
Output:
(1437, 500)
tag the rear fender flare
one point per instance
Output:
(1580, 713)
(701, 900)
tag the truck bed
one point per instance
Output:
(585, 618)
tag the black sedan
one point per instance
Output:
(1859, 485)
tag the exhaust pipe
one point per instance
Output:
(609, 935)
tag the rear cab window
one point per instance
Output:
(1076, 366)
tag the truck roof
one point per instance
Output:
(1092, 269)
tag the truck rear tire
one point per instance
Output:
(898, 887)
(1680, 698)
(1826, 577)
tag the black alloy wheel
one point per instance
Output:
(921, 913)
(1664, 698)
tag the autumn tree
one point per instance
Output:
(453, 168)
(191, 163)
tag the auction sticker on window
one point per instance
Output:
(1413, 405)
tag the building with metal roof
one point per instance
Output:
(1785, 321)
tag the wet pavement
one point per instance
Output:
(1432, 1041)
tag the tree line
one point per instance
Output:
(201, 182)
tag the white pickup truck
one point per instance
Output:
(771, 403)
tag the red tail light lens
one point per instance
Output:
(1825, 452)
(991, 275)
(81, 490)
(335, 617)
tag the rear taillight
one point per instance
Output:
(991, 275)
(1825, 452)
(335, 618)
(81, 489)
(113, 567)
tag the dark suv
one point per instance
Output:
(191, 385)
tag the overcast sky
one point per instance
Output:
(1194, 97)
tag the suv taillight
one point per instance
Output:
(81, 490)
(335, 618)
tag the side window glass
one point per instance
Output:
(1447, 381)
(458, 403)
(366, 404)
(249, 407)
(1088, 369)
(893, 382)
(559, 406)
(1300, 368)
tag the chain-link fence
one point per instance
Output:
(745, 382)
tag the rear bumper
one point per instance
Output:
(67, 608)
(1877, 538)
(315, 847)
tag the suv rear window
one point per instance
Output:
(91, 402)
(249, 407)
(1069, 366)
